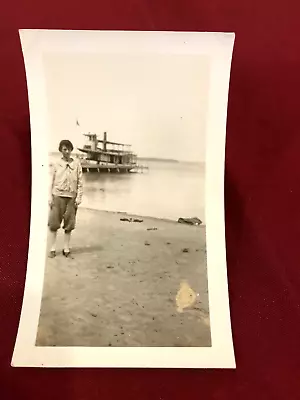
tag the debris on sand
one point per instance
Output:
(93, 315)
(190, 221)
(110, 266)
(131, 219)
(147, 243)
(151, 229)
(185, 250)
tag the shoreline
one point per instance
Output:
(127, 214)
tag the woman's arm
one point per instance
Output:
(51, 185)
(79, 185)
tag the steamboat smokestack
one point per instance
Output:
(104, 141)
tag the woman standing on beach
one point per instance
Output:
(65, 196)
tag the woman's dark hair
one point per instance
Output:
(67, 144)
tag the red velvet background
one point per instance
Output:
(262, 197)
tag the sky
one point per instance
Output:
(157, 102)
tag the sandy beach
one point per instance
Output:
(127, 285)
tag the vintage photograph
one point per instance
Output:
(126, 253)
(127, 256)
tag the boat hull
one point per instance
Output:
(107, 168)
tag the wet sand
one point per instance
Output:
(127, 285)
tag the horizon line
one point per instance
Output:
(147, 157)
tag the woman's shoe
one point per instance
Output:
(52, 254)
(67, 254)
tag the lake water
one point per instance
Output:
(167, 190)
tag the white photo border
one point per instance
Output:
(218, 47)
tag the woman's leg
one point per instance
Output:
(52, 236)
(67, 239)
(55, 218)
(69, 224)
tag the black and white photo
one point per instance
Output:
(127, 226)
